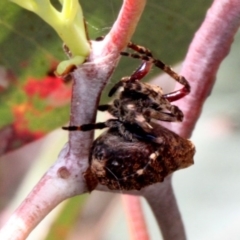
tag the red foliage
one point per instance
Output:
(51, 89)
(21, 125)
(18, 133)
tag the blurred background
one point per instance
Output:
(207, 192)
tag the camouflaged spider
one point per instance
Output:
(135, 152)
(140, 102)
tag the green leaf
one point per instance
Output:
(66, 220)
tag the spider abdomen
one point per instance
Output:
(128, 165)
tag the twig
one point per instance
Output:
(209, 47)
(65, 178)
(135, 216)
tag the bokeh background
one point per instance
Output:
(208, 192)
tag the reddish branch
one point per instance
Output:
(135, 216)
(65, 178)
(209, 47)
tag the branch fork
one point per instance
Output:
(65, 178)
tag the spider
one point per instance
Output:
(140, 102)
(136, 152)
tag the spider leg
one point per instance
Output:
(175, 111)
(146, 55)
(176, 95)
(114, 109)
(115, 88)
(146, 65)
(91, 126)
(126, 113)
(127, 130)
(140, 49)
(125, 82)
(100, 38)
(135, 131)
(103, 107)
(182, 80)
(147, 61)
(174, 116)
(86, 127)
(142, 70)
(153, 92)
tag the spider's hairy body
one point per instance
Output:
(140, 102)
(115, 160)
(135, 151)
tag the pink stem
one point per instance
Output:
(135, 216)
(209, 47)
(124, 26)
(65, 178)
(164, 206)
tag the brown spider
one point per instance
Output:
(140, 102)
(135, 152)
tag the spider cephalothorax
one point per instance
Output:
(140, 102)
(135, 152)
